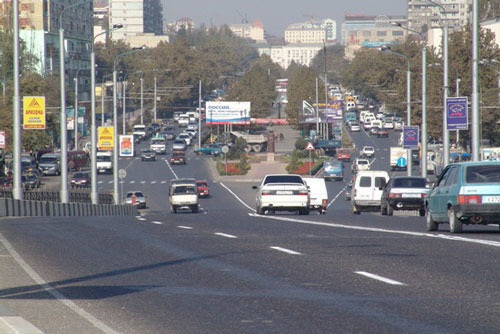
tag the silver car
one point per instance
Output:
(179, 145)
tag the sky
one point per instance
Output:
(276, 14)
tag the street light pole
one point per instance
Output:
(124, 107)
(75, 114)
(199, 113)
(475, 83)
(17, 187)
(154, 98)
(142, 101)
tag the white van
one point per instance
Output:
(367, 190)
(362, 115)
(377, 124)
(318, 194)
(350, 105)
(183, 120)
(104, 162)
(139, 130)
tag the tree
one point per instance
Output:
(301, 86)
(335, 62)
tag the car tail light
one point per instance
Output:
(266, 193)
(324, 203)
(469, 199)
(303, 193)
(394, 195)
(355, 192)
(424, 195)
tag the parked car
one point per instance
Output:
(139, 200)
(179, 145)
(178, 158)
(211, 149)
(203, 188)
(80, 180)
(404, 193)
(148, 155)
(465, 193)
(318, 194)
(367, 191)
(282, 192)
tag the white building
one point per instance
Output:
(137, 17)
(253, 31)
(494, 26)
(423, 16)
(300, 53)
(185, 23)
(313, 31)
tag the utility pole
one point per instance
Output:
(102, 103)
(75, 114)
(124, 107)
(155, 99)
(475, 83)
(199, 114)
(327, 134)
(317, 110)
(17, 187)
(142, 101)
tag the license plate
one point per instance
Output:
(284, 192)
(411, 195)
(491, 199)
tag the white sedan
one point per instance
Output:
(388, 125)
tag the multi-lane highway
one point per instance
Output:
(228, 270)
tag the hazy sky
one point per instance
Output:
(276, 14)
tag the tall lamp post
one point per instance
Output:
(64, 193)
(116, 194)
(93, 181)
(423, 137)
(17, 188)
(475, 83)
(75, 115)
(446, 134)
(408, 99)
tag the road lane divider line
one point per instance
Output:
(379, 278)
(157, 223)
(185, 227)
(140, 218)
(171, 169)
(226, 235)
(236, 196)
(381, 230)
(285, 250)
(53, 289)
(337, 196)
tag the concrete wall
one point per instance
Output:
(24, 208)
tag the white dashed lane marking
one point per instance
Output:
(157, 223)
(379, 278)
(226, 235)
(185, 227)
(284, 250)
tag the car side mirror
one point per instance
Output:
(380, 188)
(254, 187)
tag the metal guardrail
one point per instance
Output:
(53, 196)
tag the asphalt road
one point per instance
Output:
(227, 270)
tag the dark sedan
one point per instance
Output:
(148, 155)
(80, 180)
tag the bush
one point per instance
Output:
(300, 144)
(295, 163)
(243, 165)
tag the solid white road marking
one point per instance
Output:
(284, 250)
(379, 278)
(239, 199)
(381, 230)
(185, 227)
(171, 169)
(337, 196)
(157, 223)
(53, 290)
(226, 235)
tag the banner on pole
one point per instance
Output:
(3, 141)
(105, 138)
(456, 113)
(34, 112)
(410, 137)
(126, 146)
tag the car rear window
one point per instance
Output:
(409, 183)
(483, 174)
(283, 179)
(365, 181)
(184, 190)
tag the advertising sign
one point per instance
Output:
(456, 112)
(105, 138)
(225, 112)
(127, 146)
(410, 137)
(34, 112)
(2, 139)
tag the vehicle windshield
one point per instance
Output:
(179, 142)
(202, 184)
(137, 194)
(103, 158)
(184, 190)
(48, 160)
(483, 174)
(157, 141)
(283, 179)
(415, 182)
(80, 175)
(362, 162)
(146, 151)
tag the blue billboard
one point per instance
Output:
(410, 137)
(456, 113)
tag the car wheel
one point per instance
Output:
(355, 210)
(383, 210)
(261, 211)
(303, 212)
(194, 209)
(421, 212)
(455, 223)
(173, 209)
(390, 210)
(431, 224)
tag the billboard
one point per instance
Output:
(2, 139)
(105, 138)
(410, 137)
(456, 113)
(34, 112)
(227, 112)
(126, 146)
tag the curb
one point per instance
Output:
(11, 323)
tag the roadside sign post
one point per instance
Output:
(122, 173)
(410, 142)
(224, 150)
(310, 147)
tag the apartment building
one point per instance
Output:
(313, 31)
(253, 31)
(137, 17)
(423, 16)
(185, 23)
(284, 55)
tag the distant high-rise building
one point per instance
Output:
(423, 16)
(253, 31)
(284, 55)
(184, 23)
(313, 31)
(138, 17)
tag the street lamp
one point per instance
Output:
(423, 137)
(116, 194)
(93, 181)
(17, 187)
(408, 99)
(446, 134)
(64, 136)
(475, 83)
(75, 115)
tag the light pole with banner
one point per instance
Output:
(17, 187)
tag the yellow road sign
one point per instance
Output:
(105, 140)
(34, 112)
